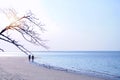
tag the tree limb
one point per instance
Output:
(25, 25)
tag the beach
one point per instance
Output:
(19, 68)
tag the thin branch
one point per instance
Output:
(9, 40)
(26, 26)
(1, 50)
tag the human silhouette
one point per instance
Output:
(32, 58)
(29, 57)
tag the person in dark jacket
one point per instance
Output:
(32, 58)
(29, 57)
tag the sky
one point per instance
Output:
(82, 25)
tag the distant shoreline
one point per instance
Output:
(77, 51)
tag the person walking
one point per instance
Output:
(32, 58)
(29, 57)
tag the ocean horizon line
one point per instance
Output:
(71, 51)
(76, 51)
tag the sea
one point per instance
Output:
(104, 64)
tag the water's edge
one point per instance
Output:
(89, 73)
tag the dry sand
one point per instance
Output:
(19, 68)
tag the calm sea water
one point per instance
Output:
(97, 63)
(103, 64)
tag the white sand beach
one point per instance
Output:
(19, 68)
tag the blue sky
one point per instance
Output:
(85, 24)
(78, 24)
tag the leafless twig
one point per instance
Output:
(27, 25)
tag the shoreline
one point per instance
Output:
(19, 68)
(88, 73)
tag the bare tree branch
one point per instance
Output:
(1, 50)
(7, 39)
(27, 25)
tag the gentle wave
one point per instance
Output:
(97, 64)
